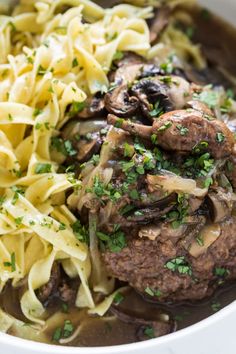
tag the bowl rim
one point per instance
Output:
(19, 343)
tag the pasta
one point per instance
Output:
(48, 62)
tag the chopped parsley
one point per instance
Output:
(76, 107)
(210, 98)
(118, 298)
(220, 138)
(221, 272)
(80, 232)
(149, 332)
(128, 150)
(37, 111)
(180, 265)
(183, 131)
(152, 292)
(216, 306)
(41, 70)
(43, 168)
(64, 332)
(157, 110)
(69, 148)
(12, 263)
(165, 126)
(114, 242)
(18, 221)
(75, 63)
(118, 55)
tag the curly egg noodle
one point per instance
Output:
(50, 60)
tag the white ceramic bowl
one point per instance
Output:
(214, 335)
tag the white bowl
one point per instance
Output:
(214, 335)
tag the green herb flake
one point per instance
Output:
(69, 148)
(216, 306)
(118, 55)
(37, 112)
(165, 126)
(10, 118)
(12, 263)
(118, 298)
(80, 232)
(18, 221)
(157, 110)
(76, 107)
(149, 332)
(179, 264)
(221, 272)
(183, 131)
(75, 63)
(43, 168)
(220, 138)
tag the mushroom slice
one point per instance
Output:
(168, 92)
(220, 205)
(209, 234)
(150, 231)
(149, 92)
(159, 23)
(95, 107)
(119, 102)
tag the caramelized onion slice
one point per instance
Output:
(209, 235)
(173, 183)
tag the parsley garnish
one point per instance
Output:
(183, 131)
(114, 242)
(152, 292)
(118, 55)
(75, 63)
(149, 332)
(118, 298)
(80, 232)
(157, 110)
(179, 264)
(165, 126)
(220, 138)
(43, 168)
(11, 264)
(221, 272)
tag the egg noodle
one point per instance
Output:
(54, 54)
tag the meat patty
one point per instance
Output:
(143, 264)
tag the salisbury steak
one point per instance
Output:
(151, 266)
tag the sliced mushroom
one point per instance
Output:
(119, 102)
(150, 231)
(209, 234)
(200, 107)
(95, 107)
(218, 140)
(159, 23)
(220, 205)
(167, 92)
(152, 212)
(85, 136)
(159, 327)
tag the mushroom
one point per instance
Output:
(220, 205)
(159, 326)
(119, 102)
(159, 23)
(95, 107)
(183, 131)
(151, 212)
(209, 234)
(85, 136)
(165, 91)
(150, 231)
